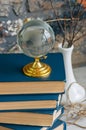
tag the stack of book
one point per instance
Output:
(28, 103)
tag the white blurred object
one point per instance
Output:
(73, 91)
(9, 22)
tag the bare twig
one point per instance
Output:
(76, 22)
(79, 29)
(56, 17)
(76, 125)
(71, 26)
(61, 19)
(84, 35)
(71, 15)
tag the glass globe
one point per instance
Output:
(36, 39)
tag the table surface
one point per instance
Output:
(82, 122)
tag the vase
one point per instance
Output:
(73, 91)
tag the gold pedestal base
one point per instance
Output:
(37, 69)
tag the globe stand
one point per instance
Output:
(37, 69)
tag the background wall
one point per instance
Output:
(12, 12)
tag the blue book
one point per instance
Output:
(57, 125)
(13, 81)
(11, 68)
(59, 109)
(43, 118)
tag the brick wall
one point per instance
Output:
(13, 12)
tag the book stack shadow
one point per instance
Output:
(29, 103)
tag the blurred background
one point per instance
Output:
(13, 12)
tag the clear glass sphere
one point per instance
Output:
(36, 38)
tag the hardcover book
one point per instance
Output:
(13, 81)
(38, 118)
(59, 110)
(57, 125)
(11, 68)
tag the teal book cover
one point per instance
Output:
(11, 68)
(29, 97)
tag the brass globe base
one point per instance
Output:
(37, 69)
